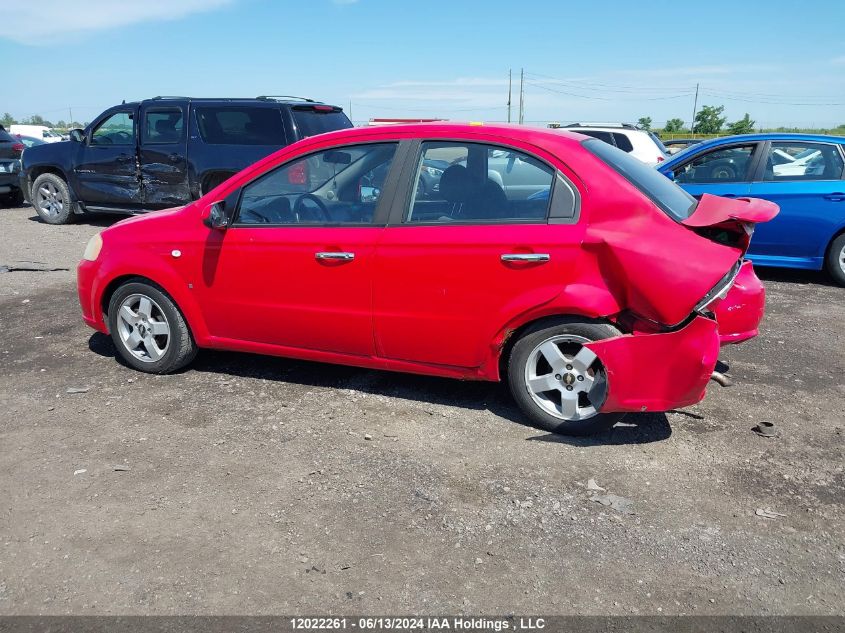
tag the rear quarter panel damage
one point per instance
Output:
(657, 372)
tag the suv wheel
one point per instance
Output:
(148, 330)
(557, 381)
(51, 199)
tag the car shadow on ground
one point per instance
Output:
(104, 220)
(795, 276)
(473, 395)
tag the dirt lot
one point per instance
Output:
(261, 485)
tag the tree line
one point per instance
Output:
(709, 120)
(36, 119)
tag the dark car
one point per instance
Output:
(11, 149)
(164, 152)
(30, 141)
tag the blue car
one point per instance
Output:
(803, 173)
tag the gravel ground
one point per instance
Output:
(259, 485)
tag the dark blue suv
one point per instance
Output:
(164, 152)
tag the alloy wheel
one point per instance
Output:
(565, 379)
(50, 199)
(143, 328)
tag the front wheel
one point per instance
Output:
(148, 330)
(51, 199)
(558, 382)
(835, 262)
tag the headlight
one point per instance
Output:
(92, 250)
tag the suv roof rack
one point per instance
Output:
(159, 97)
(628, 126)
(277, 97)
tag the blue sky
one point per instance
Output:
(602, 60)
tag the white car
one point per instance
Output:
(41, 132)
(639, 143)
(807, 163)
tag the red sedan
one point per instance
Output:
(587, 279)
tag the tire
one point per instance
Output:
(148, 308)
(574, 373)
(51, 198)
(835, 260)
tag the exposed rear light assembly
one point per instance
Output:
(19, 148)
(721, 289)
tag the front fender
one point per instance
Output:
(156, 269)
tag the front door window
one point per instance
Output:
(722, 165)
(118, 129)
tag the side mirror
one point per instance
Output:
(370, 194)
(217, 218)
(221, 213)
(77, 135)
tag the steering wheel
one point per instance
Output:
(321, 206)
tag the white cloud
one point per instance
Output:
(45, 21)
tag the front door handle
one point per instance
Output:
(346, 257)
(836, 196)
(123, 158)
(526, 257)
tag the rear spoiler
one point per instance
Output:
(715, 210)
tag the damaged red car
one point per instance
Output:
(590, 282)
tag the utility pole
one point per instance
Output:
(694, 108)
(521, 95)
(70, 113)
(510, 83)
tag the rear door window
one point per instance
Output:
(802, 161)
(623, 142)
(317, 119)
(241, 125)
(475, 183)
(676, 202)
(163, 125)
(607, 137)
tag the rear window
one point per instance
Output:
(310, 121)
(238, 125)
(6, 137)
(676, 202)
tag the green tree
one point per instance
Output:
(708, 121)
(744, 126)
(674, 125)
(7, 120)
(37, 119)
(644, 122)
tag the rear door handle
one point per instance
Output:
(526, 257)
(175, 158)
(835, 196)
(342, 256)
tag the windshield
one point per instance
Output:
(676, 202)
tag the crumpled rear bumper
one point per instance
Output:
(739, 314)
(659, 372)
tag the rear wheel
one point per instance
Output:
(51, 199)
(835, 262)
(558, 382)
(148, 330)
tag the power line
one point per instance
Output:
(597, 98)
